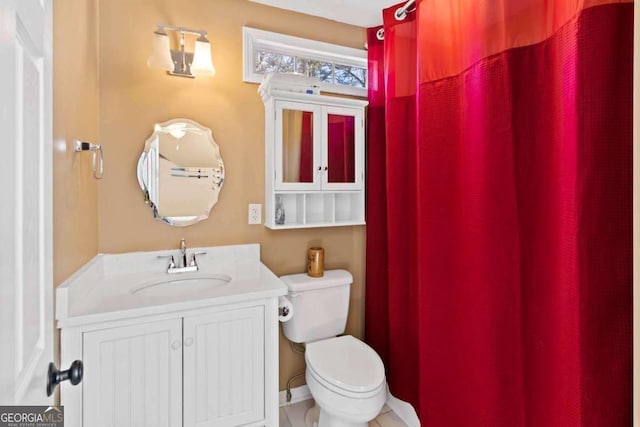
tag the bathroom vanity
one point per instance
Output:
(188, 349)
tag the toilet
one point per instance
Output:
(345, 376)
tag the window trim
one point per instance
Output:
(253, 39)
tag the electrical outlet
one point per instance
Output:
(255, 213)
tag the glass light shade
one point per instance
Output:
(202, 64)
(160, 52)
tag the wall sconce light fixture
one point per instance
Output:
(180, 62)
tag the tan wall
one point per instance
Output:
(133, 98)
(75, 116)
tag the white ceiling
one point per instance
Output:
(363, 13)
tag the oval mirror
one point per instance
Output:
(180, 172)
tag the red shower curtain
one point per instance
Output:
(499, 216)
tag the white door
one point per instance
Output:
(133, 376)
(224, 357)
(26, 283)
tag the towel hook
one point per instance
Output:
(97, 162)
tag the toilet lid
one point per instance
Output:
(347, 363)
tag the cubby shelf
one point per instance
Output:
(317, 209)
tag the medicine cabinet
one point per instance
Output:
(314, 151)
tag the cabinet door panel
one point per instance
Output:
(343, 153)
(224, 368)
(341, 161)
(133, 376)
(297, 155)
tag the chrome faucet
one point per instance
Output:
(183, 266)
(183, 252)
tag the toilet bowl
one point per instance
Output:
(346, 379)
(345, 376)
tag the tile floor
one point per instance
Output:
(294, 416)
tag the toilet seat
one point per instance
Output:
(346, 365)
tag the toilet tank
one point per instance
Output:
(320, 305)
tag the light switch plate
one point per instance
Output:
(255, 213)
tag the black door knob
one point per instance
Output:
(55, 377)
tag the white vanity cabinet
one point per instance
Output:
(190, 349)
(132, 375)
(223, 364)
(314, 151)
(210, 367)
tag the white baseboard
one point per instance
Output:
(402, 409)
(298, 394)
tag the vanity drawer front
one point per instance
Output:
(224, 368)
(133, 376)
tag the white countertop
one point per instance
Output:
(102, 289)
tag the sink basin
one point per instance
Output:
(182, 285)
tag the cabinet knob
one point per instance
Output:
(319, 168)
(176, 344)
(55, 377)
(188, 342)
(326, 168)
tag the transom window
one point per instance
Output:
(340, 69)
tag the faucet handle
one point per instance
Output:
(193, 257)
(172, 262)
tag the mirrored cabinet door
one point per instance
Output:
(342, 158)
(297, 155)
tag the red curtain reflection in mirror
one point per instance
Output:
(341, 148)
(306, 147)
